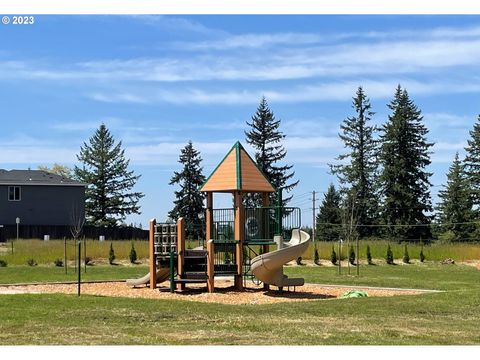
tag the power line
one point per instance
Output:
(405, 225)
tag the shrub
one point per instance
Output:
(369, 256)
(299, 261)
(406, 257)
(422, 257)
(133, 255)
(3, 263)
(111, 254)
(351, 255)
(333, 256)
(88, 260)
(31, 262)
(389, 256)
(316, 257)
(58, 262)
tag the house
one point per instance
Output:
(40, 198)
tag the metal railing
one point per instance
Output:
(225, 257)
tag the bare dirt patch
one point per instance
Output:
(224, 292)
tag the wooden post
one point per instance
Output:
(266, 248)
(180, 249)
(153, 261)
(239, 236)
(210, 266)
(209, 217)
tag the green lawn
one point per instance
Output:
(450, 317)
(34, 274)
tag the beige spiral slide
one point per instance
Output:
(268, 268)
(162, 275)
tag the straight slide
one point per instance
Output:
(162, 275)
(268, 267)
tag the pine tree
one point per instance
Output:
(404, 181)
(369, 256)
(316, 256)
(389, 257)
(333, 257)
(455, 207)
(351, 255)
(266, 138)
(406, 257)
(189, 200)
(109, 198)
(472, 168)
(358, 174)
(133, 254)
(329, 218)
(421, 256)
(111, 255)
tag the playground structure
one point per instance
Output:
(238, 239)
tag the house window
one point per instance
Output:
(14, 193)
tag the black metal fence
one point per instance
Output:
(261, 223)
(58, 232)
(225, 257)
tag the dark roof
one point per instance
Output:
(34, 177)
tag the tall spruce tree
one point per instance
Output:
(266, 139)
(472, 165)
(357, 170)
(404, 180)
(329, 217)
(455, 207)
(109, 195)
(189, 200)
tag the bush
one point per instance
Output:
(58, 262)
(333, 256)
(369, 256)
(351, 255)
(406, 257)
(111, 254)
(3, 263)
(316, 257)
(422, 257)
(133, 255)
(31, 262)
(389, 256)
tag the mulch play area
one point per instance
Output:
(224, 292)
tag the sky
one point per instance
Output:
(159, 81)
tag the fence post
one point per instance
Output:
(65, 252)
(85, 253)
(210, 266)
(180, 249)
(153, 261)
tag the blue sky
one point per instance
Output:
(159, 81)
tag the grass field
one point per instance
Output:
(450, 317)
(45, 252)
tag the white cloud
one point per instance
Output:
(328, 91)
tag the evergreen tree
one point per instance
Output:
(404, 181)
(406, 257)
(333, 257)
(329, 217)
(111, 255)
(133, 254)
(421, 256)
(455, 207)
(358, 174)
(389, 258)
(369, 256)
(351, 255)
(472, 169)
(266, 138)
(189, 200)
(109, 195)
